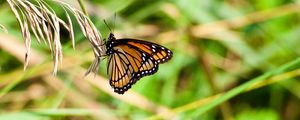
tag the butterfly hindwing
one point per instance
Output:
(127, 65)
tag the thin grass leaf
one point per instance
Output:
(68, 112)
(234, 92)
(22, 116)
(15, 11)
(71, 31)
(35, 9)
(3, 28)
(27, 38)
(34, 26)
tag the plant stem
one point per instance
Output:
(83, 7)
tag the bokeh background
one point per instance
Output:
(232, 61)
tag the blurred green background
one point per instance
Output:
(231, 62)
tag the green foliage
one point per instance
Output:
(23, 116)
(257, 115)
(232, 59)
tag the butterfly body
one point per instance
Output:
(131, 59)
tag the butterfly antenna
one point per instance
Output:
(107, 26)
(115, 18)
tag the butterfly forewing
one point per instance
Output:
(158, 52)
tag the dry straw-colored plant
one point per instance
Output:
(40, 19)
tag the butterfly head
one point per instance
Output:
(111, 37)
(109, 43)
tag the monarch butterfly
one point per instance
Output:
(131, 59)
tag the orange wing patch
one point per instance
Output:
(148, 65)
(143, 47)
(135, 58)
(159, 53)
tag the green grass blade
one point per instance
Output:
(236, 91)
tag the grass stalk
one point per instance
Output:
(83, 8)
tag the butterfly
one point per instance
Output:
(130, 59)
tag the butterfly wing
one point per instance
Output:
(160, 53)
(132, 60)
